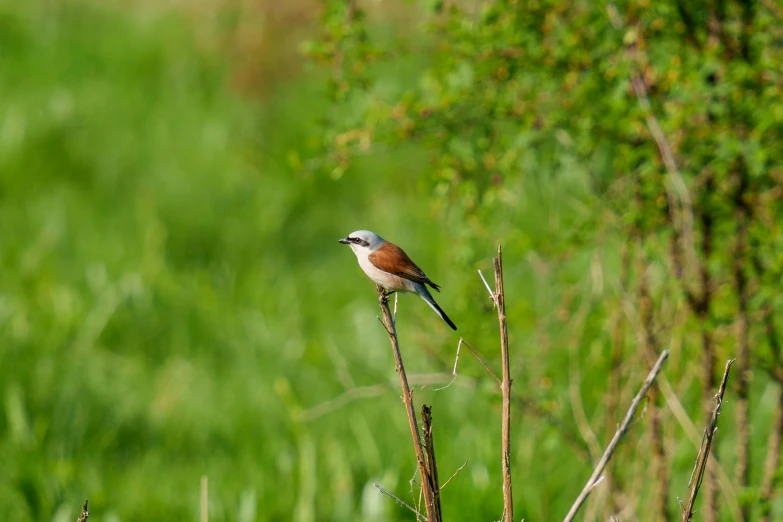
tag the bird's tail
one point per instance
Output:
(422, 292)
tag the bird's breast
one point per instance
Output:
(385, 279)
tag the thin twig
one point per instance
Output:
(704, 451)
(491, 293)
(407, 397)
(454, 371)
(384, 325)
(618, 435)
(505, 387)
(453, 475)
(596, 483)
(456, 359)
(84, 514)
(685, 422)
(397, 499)
(368, 392)
(475, 353)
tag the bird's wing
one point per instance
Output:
(391, 258)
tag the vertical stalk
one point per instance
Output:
(426, 480)
(505, 387)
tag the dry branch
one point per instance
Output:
(704, 452)
(433, 515)
(692, 433)
(482, 361)
(505, 387)
(619, 434)
(84, 515)
(429, 454)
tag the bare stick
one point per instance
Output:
(674, 405)
(505, 387)
(491, 293)
(456, 359)
(685, 422)
(618, 435)
(704, 451)
(84, 515)
(407, 397)
(475, 353)
(397, 499)
(429, 453)
(454, 371)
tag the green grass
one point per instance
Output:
(173, 298)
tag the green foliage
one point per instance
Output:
(578, 104)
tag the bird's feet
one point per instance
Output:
(383, 295)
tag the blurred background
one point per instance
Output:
(174, 304)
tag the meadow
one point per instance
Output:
(174, 303)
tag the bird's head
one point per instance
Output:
(363, 241)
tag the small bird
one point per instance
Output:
(389, 266)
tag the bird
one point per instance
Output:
(389, 266)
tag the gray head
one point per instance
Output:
(363, 239)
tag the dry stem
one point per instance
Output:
(704, 452)
(84, 514)
(433, 515)
(505, 386)
(621, 430)
(397, 499)
(481, 360)
(429, 453)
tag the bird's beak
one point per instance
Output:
(344, 241)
